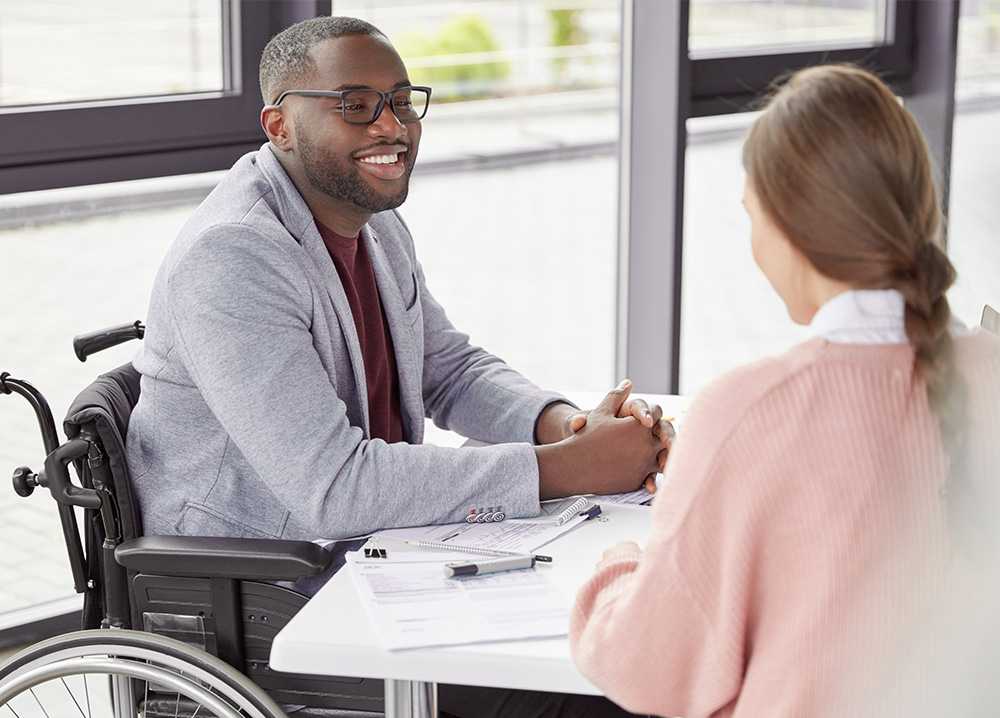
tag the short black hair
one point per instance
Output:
(286, 57)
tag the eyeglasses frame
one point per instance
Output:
(385, 97)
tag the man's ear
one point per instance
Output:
(277, 127)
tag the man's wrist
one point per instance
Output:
(555, 475)
(549, 427)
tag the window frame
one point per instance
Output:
(112, 140)
(917, 61)
(724, 82)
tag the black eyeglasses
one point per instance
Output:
(362, 107)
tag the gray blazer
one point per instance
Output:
(253, 416)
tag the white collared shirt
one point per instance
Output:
(866, 316)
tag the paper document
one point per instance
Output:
(509, 535)
(639, 497)
(412, 604)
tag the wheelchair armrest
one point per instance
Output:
(221, 557)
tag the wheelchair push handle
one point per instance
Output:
(86, 344)
(57, 476)
(10, 385)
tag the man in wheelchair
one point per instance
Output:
(293, 349)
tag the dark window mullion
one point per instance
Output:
(731, 82)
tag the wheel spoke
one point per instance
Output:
(35, 696)
(51, 671)
(86, 693)
(73, 697)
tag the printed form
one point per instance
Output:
(411, 604)
(509, 535)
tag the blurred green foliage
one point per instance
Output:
(460, 35)
(566, 30)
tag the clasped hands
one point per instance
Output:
(616, 447)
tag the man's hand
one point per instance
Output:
(563, 421)
(613, 451)
(652, 417)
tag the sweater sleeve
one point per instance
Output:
(663, 632)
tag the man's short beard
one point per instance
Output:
(345, 183)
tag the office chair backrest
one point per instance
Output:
(102, 412)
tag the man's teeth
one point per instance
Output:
(380, 159)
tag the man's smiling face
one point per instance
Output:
(365, 166)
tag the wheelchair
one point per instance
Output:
(172, 625)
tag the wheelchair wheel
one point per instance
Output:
(126, 674)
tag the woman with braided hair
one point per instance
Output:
(824, 542)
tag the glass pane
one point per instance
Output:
(531, 86)
(52, 51)
(731, 315)
(975, 212)
(479, 49)
(975, 162)
(523, 259)
(45, 305)
(727, 25)
(978, 71)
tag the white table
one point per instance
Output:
(332, 635)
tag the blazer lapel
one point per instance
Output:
(301, 224)
(313, 244)
(410, 391)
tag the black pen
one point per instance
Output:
(493, 565)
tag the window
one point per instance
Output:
(733, 53)
(101, 92)
(513, 200)
(480, 49)
(730, 315)
(742, 25)
(782, 34)
(110, 50)
(96, 93)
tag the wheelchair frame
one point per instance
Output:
(220, 587)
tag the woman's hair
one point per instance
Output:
(842, 169)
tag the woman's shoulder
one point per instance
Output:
(748, 384)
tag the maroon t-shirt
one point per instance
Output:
(350, 257)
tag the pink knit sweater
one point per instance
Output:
(800, 544)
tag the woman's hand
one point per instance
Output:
(620, 548)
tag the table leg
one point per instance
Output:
(410, 699)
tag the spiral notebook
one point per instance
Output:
(556, 512)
